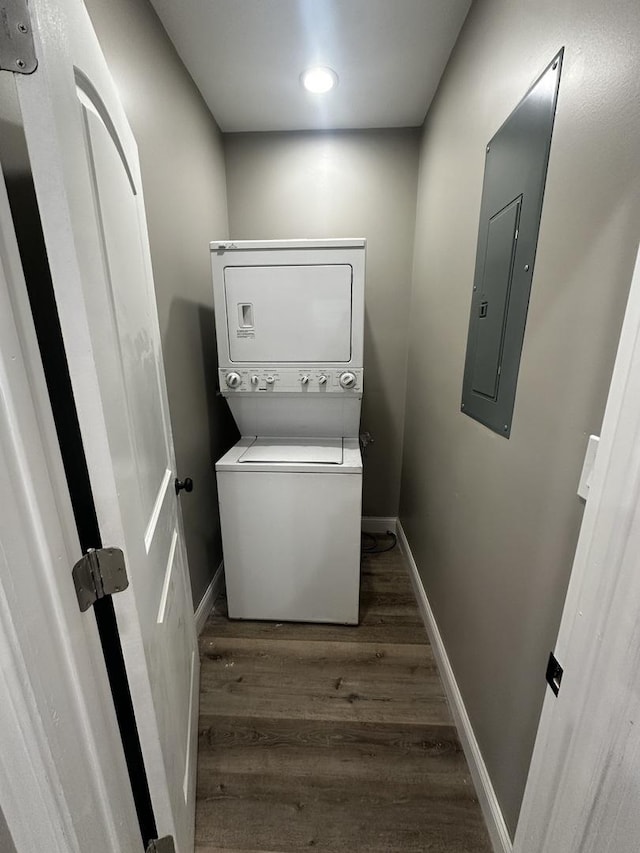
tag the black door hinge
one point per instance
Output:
(554, 674)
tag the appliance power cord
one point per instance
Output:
(376, 548)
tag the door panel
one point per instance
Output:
(494, 305)
(87, 179)
(131, 308)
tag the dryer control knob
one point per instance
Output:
(255, 379)
(233, 379)
(304, 380)
(269, 380)
(348, 380)
(322, 380)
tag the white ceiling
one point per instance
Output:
(246, 57)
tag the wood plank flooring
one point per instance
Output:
(331, 738)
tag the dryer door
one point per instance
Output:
(290, 314)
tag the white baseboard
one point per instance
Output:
(491, 810)
(379, 524)
(208, 599)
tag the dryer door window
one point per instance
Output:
(289, 313)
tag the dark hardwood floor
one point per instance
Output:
(331, 738)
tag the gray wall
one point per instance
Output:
(345, 184)
(6, 841)
(493, 523)
(183, 174)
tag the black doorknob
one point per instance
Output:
(186, 484)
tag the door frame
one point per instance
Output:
(604, 577)
(64, 784)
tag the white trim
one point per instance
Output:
(208, 599)
(188, 777)
(150, 532)
(498, 832)
(379, 523)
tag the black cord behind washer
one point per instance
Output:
(375, 548)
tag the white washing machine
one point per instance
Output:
(289, 323)
(290, 512)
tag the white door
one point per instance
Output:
(64, 786)
(87, 179)
(583, 787)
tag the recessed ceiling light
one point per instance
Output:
(319, 80)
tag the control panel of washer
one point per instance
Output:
(291, 380)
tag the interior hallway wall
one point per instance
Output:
(183, 175)
(6, 841)
(493, 523)
(344, 184)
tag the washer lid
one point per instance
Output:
(325, 451)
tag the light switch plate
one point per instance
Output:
(587, 466)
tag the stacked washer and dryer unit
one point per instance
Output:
(290, 323)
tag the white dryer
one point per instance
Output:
(289, 323)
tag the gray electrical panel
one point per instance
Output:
(514, 178)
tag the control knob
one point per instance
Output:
(270, 380)
(304, 380)
(348, 380)
(255, 379)
(322, 380)
(233, 379)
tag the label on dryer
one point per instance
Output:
(245, 333)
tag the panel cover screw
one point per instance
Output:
(20, 63)
(23, 28)
(506, 427)
(488, 148)
(526, 267)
